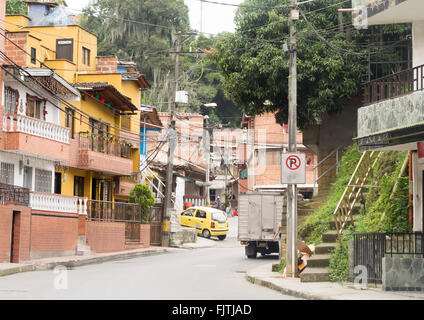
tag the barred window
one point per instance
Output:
(11, 100)
(7, 173)
(43, 180)
(126, 122)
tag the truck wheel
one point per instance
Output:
(250, 252)
(206, 233)
(222, 237)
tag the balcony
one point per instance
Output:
(393, 111)
(57, 203)
(103, 154)
(10, 194)
(36, 137)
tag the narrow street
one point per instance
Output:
(216, 273)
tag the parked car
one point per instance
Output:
(208, 221)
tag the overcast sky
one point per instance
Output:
(216, 18)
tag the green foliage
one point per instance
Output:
(282, 265)
(339, 262)
(142, 195)
(256, 68)
(16, 7)
(316, 224)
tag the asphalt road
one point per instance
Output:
(208, 273)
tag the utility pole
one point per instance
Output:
(291, 253)
(171, 146)
(207, 142)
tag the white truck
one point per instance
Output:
(259, 216)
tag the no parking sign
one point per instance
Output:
(293, 168)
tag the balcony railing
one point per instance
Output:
(57, 203)
(104, 144)
(394, 85)
(195, 200)
(35, 127)
(10, 194)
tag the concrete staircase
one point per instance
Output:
(317, 267)
(82, 248)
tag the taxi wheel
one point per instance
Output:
(206, 233)
(222, 237)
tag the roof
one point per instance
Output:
(109, 93)
(136, 76)
(151, 115)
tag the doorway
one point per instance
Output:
(58, 182)
(14, 237)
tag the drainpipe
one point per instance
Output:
(410, 193)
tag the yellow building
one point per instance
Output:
(104, 124)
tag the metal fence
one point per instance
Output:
(394, 85)
(10, 194)
(370, 248)
(99, 143)
(98, 210)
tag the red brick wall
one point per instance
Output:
(53, 233)
(145, 234)
(107, 64)
(2, 24)
(106, 236)
(13, 52)
(21, 245)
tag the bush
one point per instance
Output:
(142, 195)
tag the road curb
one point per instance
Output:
(294, 293)
(82, 262)
(7, 272)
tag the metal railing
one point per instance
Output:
(103, 144)
(395, 85)
(336, 152)
(370, 248)
(98, 210)
(10, 194)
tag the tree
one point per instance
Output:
(255, 64)
(142, 195)
(16, 7)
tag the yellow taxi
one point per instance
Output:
(208, 221)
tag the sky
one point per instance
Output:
(216, 18)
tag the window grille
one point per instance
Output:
(43, 180)
(7, 173)
(11, 100)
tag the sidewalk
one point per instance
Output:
(322, 290)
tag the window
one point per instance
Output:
(126, 122)
(33, 55)
(7, 173)
(189, 213)
(78, 186)
(65, 49)
(58, 182)
(85, 56)
(69, 121)
(273, 157)
(201, 214)
(43, 180)
(35, 107)
(11, 100)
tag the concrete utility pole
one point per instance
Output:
(291, 253)
(171, 146)
(207, 143)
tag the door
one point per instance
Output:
(187, 218)
(14, 236)
(58, 182)
(200, 220)
(28, 177)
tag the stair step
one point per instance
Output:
(330, 236)
(319, 261)
(325, 248)
(315, 275)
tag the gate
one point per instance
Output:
(156, 226)
(132, 231)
